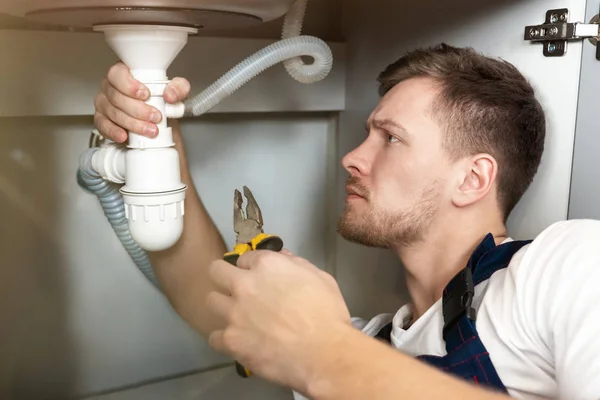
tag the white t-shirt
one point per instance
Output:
(539, 318)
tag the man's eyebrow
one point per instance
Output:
(386, 123)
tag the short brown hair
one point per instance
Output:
(485, 105)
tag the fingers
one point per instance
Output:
(177, 90)
(250, 259)
(220, 305)
(228, 341)
(225, 275)
(266, 259)
(121, 79)
(134, 108)
(121, 108)
(121, 119)
(108, 129)
(215, 340)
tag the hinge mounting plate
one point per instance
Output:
(557, 31)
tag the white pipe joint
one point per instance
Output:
(109, 162)
(175, 111)
(165, 133)
(154, 194)
(154, 197)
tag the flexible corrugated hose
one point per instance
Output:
(112, 204)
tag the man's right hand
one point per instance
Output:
(120, 104)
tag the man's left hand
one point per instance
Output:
(282, 315)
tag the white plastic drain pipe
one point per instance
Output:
(153, 194)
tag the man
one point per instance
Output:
(450, 149)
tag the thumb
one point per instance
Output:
(177, 90)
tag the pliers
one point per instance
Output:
(249, 237)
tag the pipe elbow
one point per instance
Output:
(175, 111)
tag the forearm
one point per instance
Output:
(182, 269)
(359, 367)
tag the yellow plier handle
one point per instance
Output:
(262, 241)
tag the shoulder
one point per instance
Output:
(565, 244)
(569, 235)
(559, 271)
(538, 315)
(557, 293)
(551, 281)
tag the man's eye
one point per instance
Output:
(392, 138)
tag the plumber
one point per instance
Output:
(453, 144)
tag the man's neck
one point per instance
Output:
(432, 263)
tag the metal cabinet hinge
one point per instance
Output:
(557, 31)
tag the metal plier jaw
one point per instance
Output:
(249, 228)
(249, 236)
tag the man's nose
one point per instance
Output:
(357, 162)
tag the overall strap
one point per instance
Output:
(385, 333)
(457, 299)
(458, 295)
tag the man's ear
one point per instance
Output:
(476, 179)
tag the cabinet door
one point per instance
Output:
(585, 185)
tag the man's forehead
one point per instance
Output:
(383, 116)
(375, 112)
(414, 95)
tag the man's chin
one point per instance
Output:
(360, 235)
(363, 240)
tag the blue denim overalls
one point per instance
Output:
(466, 356)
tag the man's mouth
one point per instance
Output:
(353, 193)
